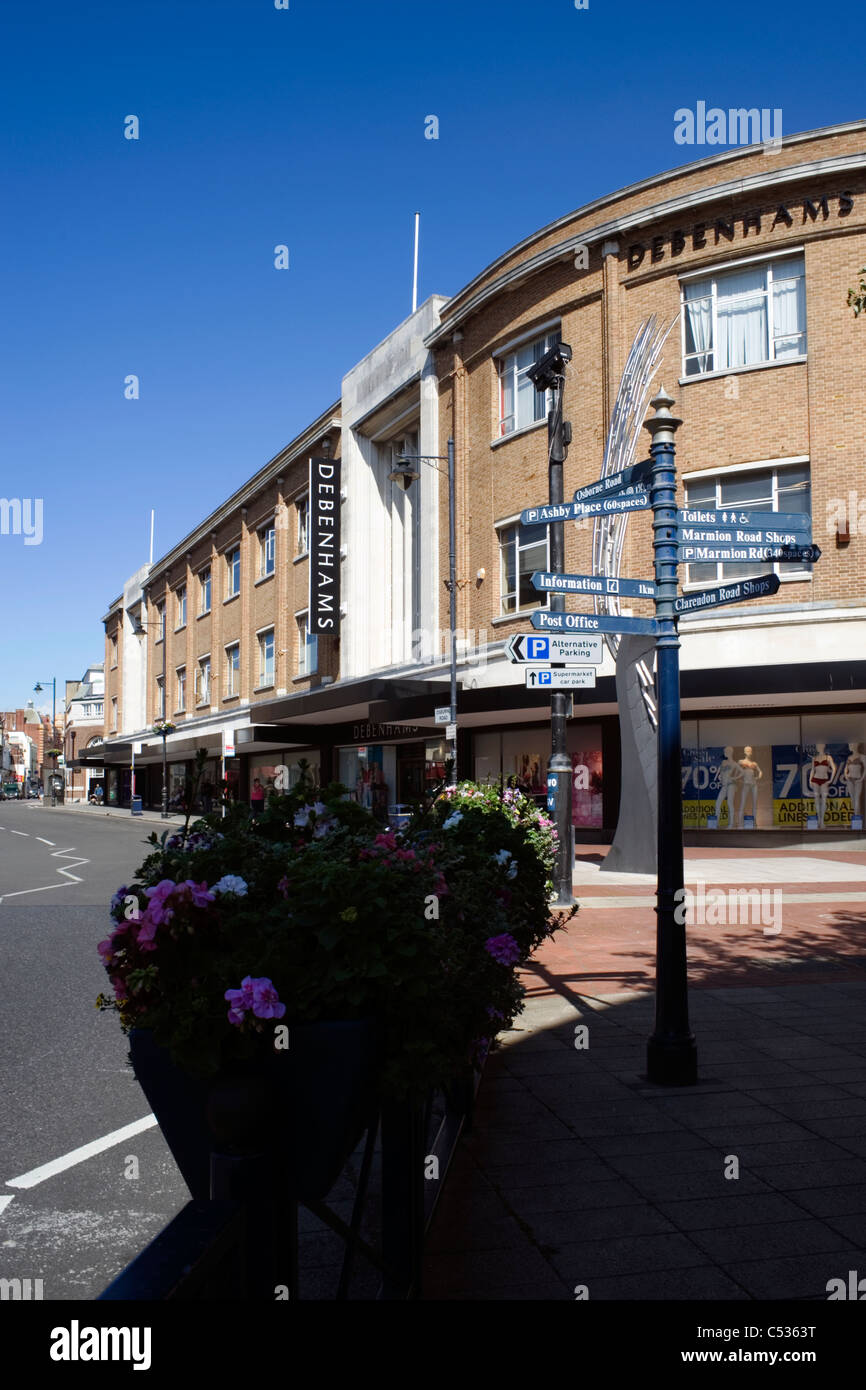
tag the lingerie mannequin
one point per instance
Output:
(822, 774)
(855, 775)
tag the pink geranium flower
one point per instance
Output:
(503, 949)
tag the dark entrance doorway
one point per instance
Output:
(410, 773)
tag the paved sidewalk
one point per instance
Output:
(85, 809)
(581, 1173)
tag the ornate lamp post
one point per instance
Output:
(164, 727)
(52, 750)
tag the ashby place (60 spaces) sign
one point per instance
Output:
(324, 547)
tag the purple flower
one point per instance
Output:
(266, 1001)
(240, 1000)
(503, 949)
(156, 908)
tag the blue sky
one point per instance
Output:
(305, 127)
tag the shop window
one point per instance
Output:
(233, 568)
(266, 658)
(267, 551)
(778, 488)
(744, 316)
(522, 550)
(205, 590)
(233, 669)
(519, 402)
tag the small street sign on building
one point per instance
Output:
(443, 714)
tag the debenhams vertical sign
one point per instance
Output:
(324, 547)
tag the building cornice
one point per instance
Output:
(641, 217)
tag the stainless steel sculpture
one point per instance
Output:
(634, 844)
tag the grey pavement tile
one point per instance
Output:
(666, 1142)
(783, 1132)
(737, 1211)
(552, 1291)
(714, 1116)
(573, 1196)
(795, 1276)
(588, 1126)
(668, 1285)
(787, 1177)
(525, 1127)
(768, 1240)
(493, 1153)
(831, 1201)
(661, 1164)
(854, 1144)
(516, 1175)
(477, 1232)
(857, 1088)
(839, 1126)
(821, 1109)
(681, 1186)
(807, 1091)
(851, 1225)
(581, 1262)
(557, 1228)
(546, 1063)
(453, 1274)
(790, 1151)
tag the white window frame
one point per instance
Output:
(264, 680)
(267, 549)
(180, 597)
(786, 572)
(160, 697)
(302, 505)
(720, 272)
(160, 619)
(230, 591)
(180, 679)
(308, 646)
(544, 338)
(202, 689)
(230, 670)
(114, 712)
(543, 600)
(202, 581)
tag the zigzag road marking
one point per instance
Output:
(67, 873)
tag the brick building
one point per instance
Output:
(749, 254)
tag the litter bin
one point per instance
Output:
(399, 816)
(136, 806)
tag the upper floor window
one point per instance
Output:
(202, 681)
(266, 657)
(181, 606)
(303, 525)
(776, 488)
(233, 669)
(308, 647)
(233, 565)
(745, 316)
(160, 698)
(522, 550)
(113, 652)
(205, 589)
(114, 712)
(267, 543)
(519, 402)
(181, 688)
(160, 621)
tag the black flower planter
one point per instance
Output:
(308, 1105)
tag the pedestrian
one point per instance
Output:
(257, 798)
(207, 796)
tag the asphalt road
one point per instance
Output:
(64, 1077)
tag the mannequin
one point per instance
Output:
(822, 773)
(752, 775)
(855, 775)
(730, 776)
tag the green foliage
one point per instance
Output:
(347, 919)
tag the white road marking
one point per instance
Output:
(25, 833)
(67, 873)
(5, 1200)
(80, 1155)
(46, 842)
(61, 854)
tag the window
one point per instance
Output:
(160, 620)
(233, 669)
(181, 606)
(308, 647)
(114, 712)
(202, 681)
(233, 563)
(113, 652)
(522, 550)
(781, 488)
(267, 539)
(739, 318)
(266, 657)
(519, 402)
(303, 525)
(160, 698)
(204, 586)
(181, 688)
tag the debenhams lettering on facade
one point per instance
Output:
(739, 225)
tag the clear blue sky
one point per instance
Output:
(306, 127)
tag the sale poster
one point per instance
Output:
(586, 789)
(793, 799)
(701, 787)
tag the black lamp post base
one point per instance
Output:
(672, 1061)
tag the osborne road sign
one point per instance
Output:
(801, 522)
(563, 678)
(592, 584)
(616, 482)
(592, 622)
(443, 714)
(528, 646)
(728, 593)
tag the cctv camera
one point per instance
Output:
(548, 369)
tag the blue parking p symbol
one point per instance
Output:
(544, 677)
(537, 648)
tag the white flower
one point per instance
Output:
(231, 883)
(454, 819)
(302, 817)
(502, 856)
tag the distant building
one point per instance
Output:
(84, 728)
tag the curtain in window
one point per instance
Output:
(741, 315)
(699, 326)
(789, 308)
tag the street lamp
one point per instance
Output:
(38, 689)
(404, 475)
(164, 727)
